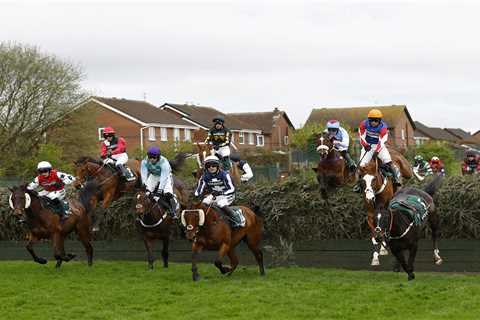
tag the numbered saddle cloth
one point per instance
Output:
(413, 206)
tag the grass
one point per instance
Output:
(126, 290)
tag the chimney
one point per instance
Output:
(276, 110)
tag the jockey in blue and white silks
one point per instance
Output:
(341, 141)
(218, 184)
(157, 177)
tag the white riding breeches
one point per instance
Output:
(220, 201)
(52, 195)
(122, 158)
(153, 181)
(223, 151)
(383, 155)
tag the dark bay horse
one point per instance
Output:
(379, 190)
(43, 223)
(400, 231)
(111, 185)
(331, 170)
(206, 229)
(154, 223)
(204, 150)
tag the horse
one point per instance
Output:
(206, 229)
(110, 183)
(204, 150)
(401, 233)
(154, 223)
(331, 171)
(43, 223)
(378, 191)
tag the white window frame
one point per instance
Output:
(100, 134)
(403, 134)
(187, 135)
(241, 138)
(176, 134)
(251, 138)
(261, 138)
(151, 134)
(163, 134)
(285, 140)
(232, 137)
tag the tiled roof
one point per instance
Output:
(434, 133)
(262, 120)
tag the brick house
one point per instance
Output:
(139, 122)
(400, 124)
(276, 127)
(244, 135)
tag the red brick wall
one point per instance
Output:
(279, 131)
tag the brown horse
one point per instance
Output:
(43, 223)
(154, 223)
(331, 170)
(400, 231)
(205, 150)
(206, 229)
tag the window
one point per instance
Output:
(100, 133)
(151, 134)
(163, 134)
(176, 134)
(403, 134)
(260, 140)
(241, 138)
(232, 137)
(251, 138)
(188, 135)
(285, 140)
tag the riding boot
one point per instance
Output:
(349, 161)
(126, 173)
(236, 221)
(396, 175)
(172, 205)
(66, 208)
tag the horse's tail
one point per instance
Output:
(178, 162)
(433, 186)
(86, 194)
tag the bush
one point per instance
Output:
(444, 152)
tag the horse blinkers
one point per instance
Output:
(19, 209)
(191, 228)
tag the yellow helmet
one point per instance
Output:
(375, 113)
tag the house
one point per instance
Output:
(276, 127)
(139, 122)
(244, 135)
(424, 133)
(463, 136)
(476, 135)
(400, 124)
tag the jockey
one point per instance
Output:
(437, 166)
(115, 150)
(341, 141)
(421, 166)
(53, 184)
(471, 162)
(219, 137)
(373, 137)
(244, 166)
(219, 184)
(156, 174)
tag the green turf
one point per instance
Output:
(126, 290)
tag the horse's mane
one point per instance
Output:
(84, 159)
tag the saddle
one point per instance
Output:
(56, 206)
(237, 221)
(413, 206)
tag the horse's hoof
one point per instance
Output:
(70, 256)
(383, 251)
(196, 277)
(41, 261)
(411, 276)
(396, 269)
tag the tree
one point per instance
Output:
(36, 91)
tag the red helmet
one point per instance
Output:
(109, 130)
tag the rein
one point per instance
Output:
(389, 237)
(162, 218)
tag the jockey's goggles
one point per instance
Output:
(44, 170)
(152, 156)
(108, 135)
(210, 165)
(373, 120)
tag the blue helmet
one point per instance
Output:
(154, 152)
(333, 124)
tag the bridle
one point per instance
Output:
(370, 193)
(387, 234)
(149, 209)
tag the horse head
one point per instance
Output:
(143, 203)
(371, 180)
(85, 167)
(192, 220)
(324, 144)
(19, 201)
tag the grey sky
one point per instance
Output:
(252, 55)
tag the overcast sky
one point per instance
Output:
(253, 56)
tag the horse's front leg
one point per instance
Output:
(411, 261)
(165, 252)
(59, 249)
(149, 247)
(224, 248)
(196, 249)
(434, 226)
(376, 246)
(31, 241)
